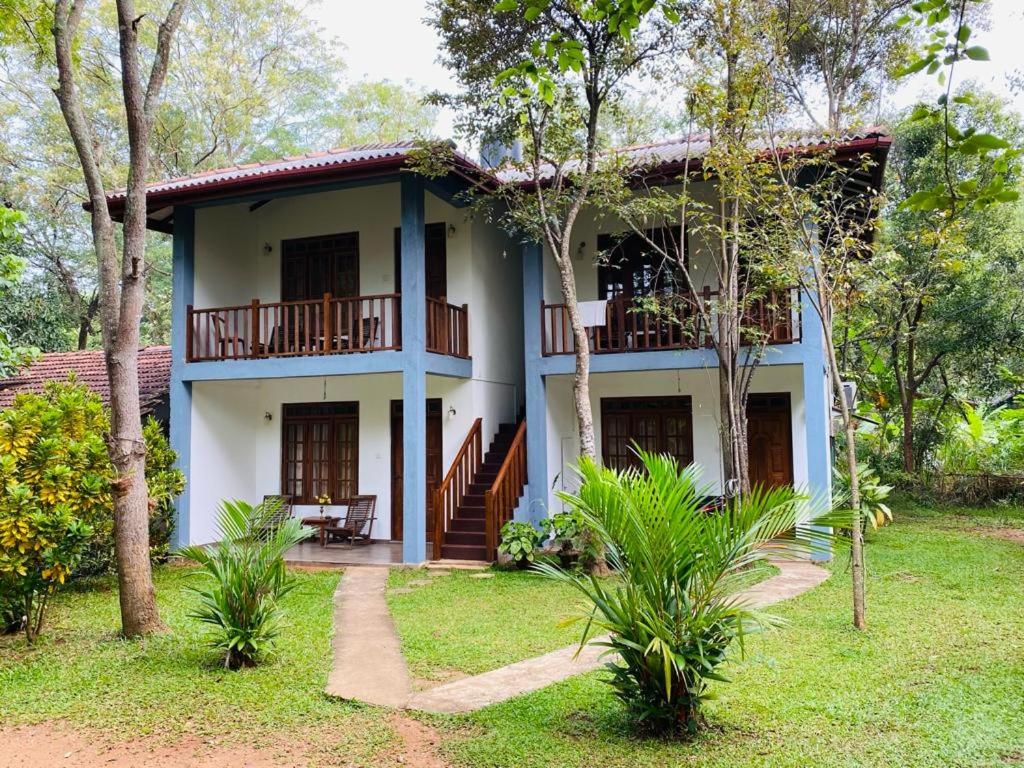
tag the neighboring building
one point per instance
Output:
(90, 369)
(314, 297)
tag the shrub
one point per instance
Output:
(40, 545)
(673, 612)
(53, 444)
(521, 542)
(247, 578)
(874, 511)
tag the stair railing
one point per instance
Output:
(501, 500)
(449, 494)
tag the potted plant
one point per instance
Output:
(565, 536)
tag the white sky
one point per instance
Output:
(387, 39)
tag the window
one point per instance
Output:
(313, 266)
(320, 454)
(634, 269)
(657, 424)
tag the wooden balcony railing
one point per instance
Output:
(447, 328)
(449, 494)
(501, 500)
(678, 325)
(326, 326)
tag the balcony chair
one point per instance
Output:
(280, 515)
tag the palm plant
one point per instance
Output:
(674, 610)
(246, 578)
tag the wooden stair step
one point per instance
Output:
(464, 551)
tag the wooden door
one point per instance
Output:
(770, 440)
(436, 253)
(434, 463)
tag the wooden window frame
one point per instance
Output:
(662, 405)
(609, 242)
(348, 247)
(332, 415)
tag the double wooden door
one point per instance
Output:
(770, 440)
(434, 460)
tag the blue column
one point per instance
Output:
(182, 291)
(817, 406)
(414, 379)
(536, 393)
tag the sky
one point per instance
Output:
(387, 39)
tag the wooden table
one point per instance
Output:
(323, 523)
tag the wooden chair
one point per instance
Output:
(281, 515)
(361, 514)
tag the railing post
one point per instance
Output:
(254, 328)
(464, 332)
(707, 308)
(325, 322)
(438, 534)
(489, 524)
(189, 320)
(543, 331)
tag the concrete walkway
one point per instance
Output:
(370, 667)
(368, 661)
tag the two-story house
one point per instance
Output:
(316, 298)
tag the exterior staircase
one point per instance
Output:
(466, 535)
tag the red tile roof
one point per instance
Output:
(367, 160)
(91, 370)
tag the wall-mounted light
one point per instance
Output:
(580, 248)
(451, 411)
(451, 230)
(268, 416)
(268, 248)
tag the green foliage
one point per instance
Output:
(521, 542)
(41, 544)
(246, 578)
(12, 356)
(564, 528)
(981, 441)
(165, 483)
(873, 494)
(52, 448)
(673, 613)
(949, 42)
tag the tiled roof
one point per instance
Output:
(300, 165)
(675, 152)
(373, 158)
(91, 370)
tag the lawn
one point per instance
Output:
(463, 625)
(173, 684)
(937, 680)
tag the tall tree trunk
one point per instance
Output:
(121, 283)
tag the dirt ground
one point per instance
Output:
(47, 745)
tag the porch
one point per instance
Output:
(311, 554)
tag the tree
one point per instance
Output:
(247, 81)
(121, 277)
(544, 71)
(944, 295)
(845, 49)
(12, 355)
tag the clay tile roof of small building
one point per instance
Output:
(90, 369)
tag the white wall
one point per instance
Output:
(233, 265)
(591, 224)
(702, 387)
(236, 452)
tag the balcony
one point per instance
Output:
(628, 327)
(327, 326)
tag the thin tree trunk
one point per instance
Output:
(856, 533)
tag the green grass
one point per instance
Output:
(936, 680)
(461, 625)
(174, 683)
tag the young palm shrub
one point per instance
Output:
(673, 612)
(246, 578)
